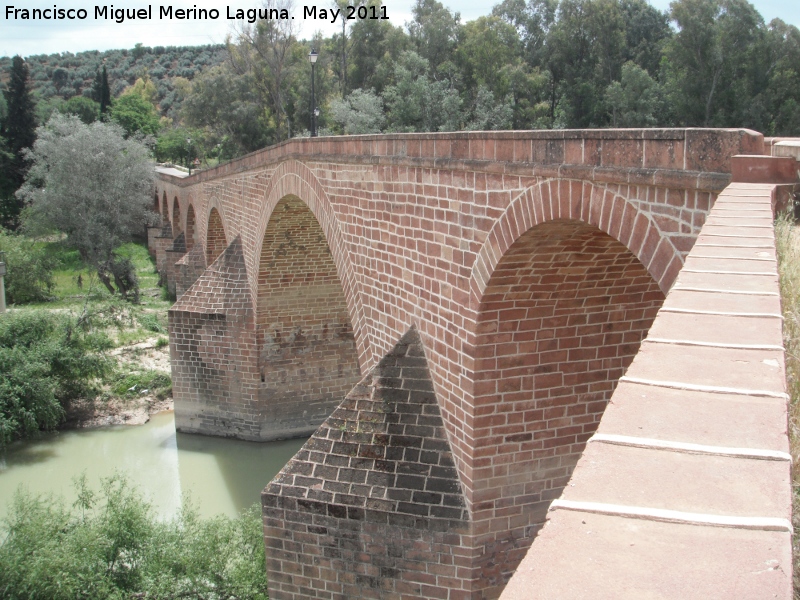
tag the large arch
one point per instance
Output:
(307, 353)
(216, 239)
(560, 313)
(293, 178)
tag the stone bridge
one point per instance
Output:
(449, 315)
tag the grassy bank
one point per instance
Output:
(787, 237)
(93, 354)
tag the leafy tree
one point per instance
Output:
(101, 92)
(225, 103)
(111, 544)
(646, 32)
(376, 47)
(485, 45)
(489, 113)
(29, 276)
(361, 112)
(706, 63)
(135, 115)
(86, 109)
(263, 51)
(60, 78)
(19, 131)
(434, 32)
(634, 101)
(95, 186)
(416, 103)
(172, 145)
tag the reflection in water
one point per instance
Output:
(223, 476)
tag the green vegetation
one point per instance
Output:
(788, 247)
(47, 361)
(94, 185)
(111, 545)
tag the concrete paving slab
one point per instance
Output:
(727, 283)
(721, 220)
(694, 417)
(581, 556)
(718, 329)
(718, 302)
(729, 265)
(746, 231)
(756, 371)
(692, 483)
(732, 252)
(737, 241)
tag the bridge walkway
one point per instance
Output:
(685, 489)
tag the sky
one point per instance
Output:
(18, 36)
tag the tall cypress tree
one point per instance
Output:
(19, 130)
(101, 92)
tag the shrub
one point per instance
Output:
(112, 545)
(29, 269)
(46, 361)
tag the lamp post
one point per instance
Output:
(189, 155)
(312, 58)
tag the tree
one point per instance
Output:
(19, 131)
(434, 32)
(361, 112)
(86, 109)
(101, 92)
(415, 103)
(135, 115)
(634, 100)
(95, 185)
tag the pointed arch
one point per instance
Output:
(216, 239)
(191, 227)
(293, 178)
(582, 201)
(176, 217)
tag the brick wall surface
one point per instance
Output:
(371, 506)
(417, 226)
(308, 359)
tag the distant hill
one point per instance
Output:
(68, 74)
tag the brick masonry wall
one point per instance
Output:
(371, 506)
(307, 359)
(212, 347)
(560, 320)
(417, 225)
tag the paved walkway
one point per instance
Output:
(685, 490)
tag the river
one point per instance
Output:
(221, 475)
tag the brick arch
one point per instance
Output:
(164, 209)
(155, 202)
(176, 217)
(216, 236)
(558, 322)
(293, 178)
(583, 201)
(191, 226)
(307, 356)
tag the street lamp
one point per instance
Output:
(312, 58)
(189, 155)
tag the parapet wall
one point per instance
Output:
(685, 489)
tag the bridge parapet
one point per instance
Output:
(685, 489)
(530, 264)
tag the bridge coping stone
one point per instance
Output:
(739, 404)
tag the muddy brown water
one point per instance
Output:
(222, 476)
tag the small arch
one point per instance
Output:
(176, 217)
(216, 241)
(164, 209)
(190, 228)
(155, 202)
